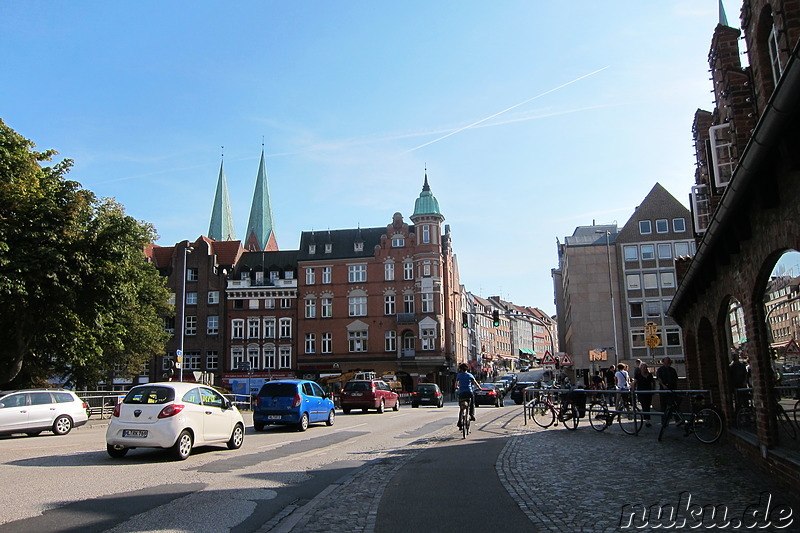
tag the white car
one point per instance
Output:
(173, 415)
(32, 411)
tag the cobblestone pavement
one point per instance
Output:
(585, 481)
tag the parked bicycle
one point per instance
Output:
(548, 410)
(704, 420)
(601, 413)
(746, 419)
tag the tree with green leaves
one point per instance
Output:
(77, 295)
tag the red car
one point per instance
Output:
(368, 394)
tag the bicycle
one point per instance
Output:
(601, 417)
(705, 421)
(545, 412)
(463, 418)
(746, 419)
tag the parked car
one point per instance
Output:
(174, 415)
(297, 402)
(510, 379)
(368, 394)
(427, 394)
(487, 395)
(518, 392)
(500, 387)
(32, 411)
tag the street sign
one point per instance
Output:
(548, 359)
(566, 360)
(792, 348)
(653, 341)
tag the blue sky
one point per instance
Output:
(531, 117)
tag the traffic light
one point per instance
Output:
(495, 318)
(464, 321)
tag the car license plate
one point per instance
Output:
(274, 417)
(137, 433)
(357, 394)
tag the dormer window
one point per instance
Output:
(312, 249)
(358, 246)
(398, 241)
(328, 248)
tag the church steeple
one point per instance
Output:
(221, 226)
(722, 18)
(260, 228)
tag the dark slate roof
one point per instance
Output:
(342, 241)
(268, 261)
(592, 235)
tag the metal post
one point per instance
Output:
(611, 293)
(183, 311)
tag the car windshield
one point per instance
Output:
(487, 386)
(426, 388)
(150, 394)
(278, 389)
(358, 385)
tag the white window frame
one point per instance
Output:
(721, 154)
(237, 356)
(398, 241)
(254, 356)
(390, 341)
(357, 306)
(326, 275)
(408, 303)
(237, 328)
(631, 252)
(633, 282)
(212, 297)
(269, 327)
(662, 225)
(648, 252)
(284, 356)
(191, 325)
(650, 280)
(389, 305)
(427, 337)
(774, 55)
(191, 298)
(682, 245)
(311, 342)
(269, 356)
(678, 225)
(326, 307)
(645, 227)
(357, 341)
(310, 277)
(388, 272)
(664, 250)
(212, 325)
(311, 308)
(667, 280)
(192, 274)
(426, 234)
(212, 360)
(285, 327)
(408, 270)
(327, 342)
(253, 328)
(427, 302)
(632, 306)
(357, 273)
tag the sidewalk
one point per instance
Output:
(532, 479)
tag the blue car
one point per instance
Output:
(292, 402)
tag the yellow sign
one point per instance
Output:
(653, 341)
(651, 328)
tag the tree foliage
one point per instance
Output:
(78, 296)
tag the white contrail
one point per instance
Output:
(503, 111)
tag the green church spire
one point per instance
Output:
(260, 227)
(221, 227)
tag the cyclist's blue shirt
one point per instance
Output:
(464, 381)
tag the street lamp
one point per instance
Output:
(611, 294)
(179, 354)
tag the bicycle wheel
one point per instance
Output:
(664, 422)
(599, 418)
(794, 412)
(707, 425)
(569, 415)
(542, 414)
(630, 420)
(787, 427)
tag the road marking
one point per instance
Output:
(275, 444)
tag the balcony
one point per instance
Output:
(276, 283)
(406, 318)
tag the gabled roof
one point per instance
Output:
(342, 243)
(227, 252)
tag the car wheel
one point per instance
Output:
(33, 433)
(441, 404)
(303, 425)
(346, 410)
(237, 438)
(381, 407)
(396, 405)
(331, 417)
(183, 446)
(414, 405)
(62, 425)
(116, 451)
(258, 426)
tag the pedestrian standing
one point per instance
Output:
(667, 378)
(643, 383)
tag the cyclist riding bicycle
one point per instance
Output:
(465, 389)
